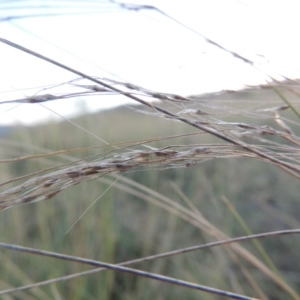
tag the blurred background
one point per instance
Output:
(222, 55)
(167, 46)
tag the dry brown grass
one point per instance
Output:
(224, 121)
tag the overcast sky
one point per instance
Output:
(164, 50)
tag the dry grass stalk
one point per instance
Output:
(47, 186)
(104, 266)
(202, 117)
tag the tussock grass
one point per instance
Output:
(192, 132)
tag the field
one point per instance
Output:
(162, 184)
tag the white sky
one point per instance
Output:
(143, 47)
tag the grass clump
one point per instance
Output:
(157, 185)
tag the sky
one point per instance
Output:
(164, 49)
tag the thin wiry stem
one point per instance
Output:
(137, 272)
(126, 270)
